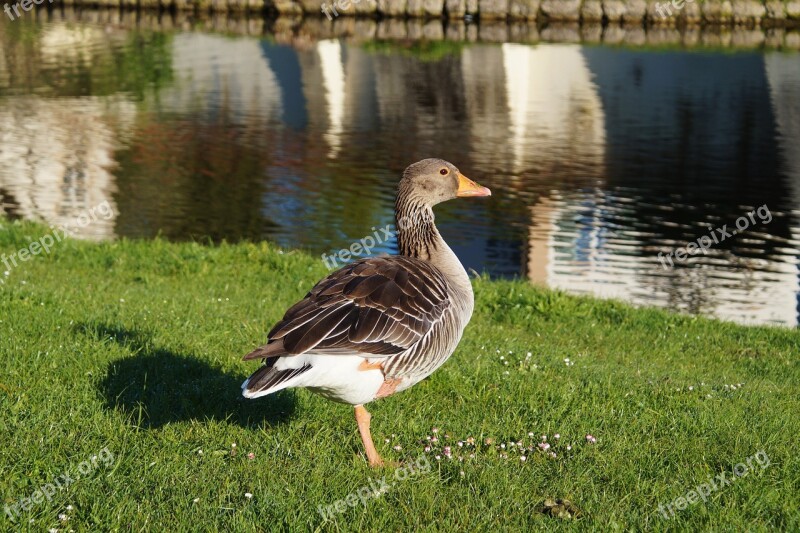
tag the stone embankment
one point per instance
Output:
(301, 31)
(650, 12)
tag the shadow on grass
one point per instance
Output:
(155, 387)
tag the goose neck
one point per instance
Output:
(418, 237)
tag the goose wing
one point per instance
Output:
(375, 307)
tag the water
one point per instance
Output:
(598, 157)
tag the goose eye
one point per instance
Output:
(444, 172)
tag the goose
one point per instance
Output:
(378, 325)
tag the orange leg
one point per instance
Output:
(363, 417)
(388, 387)
(366, 365)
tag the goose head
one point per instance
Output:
(425, 184)
(433, 181)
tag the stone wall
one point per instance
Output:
(302, 31)
(652, 12)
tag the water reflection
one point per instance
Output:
(600, 158)
(56, 161)
(330, 58)
(56, 157)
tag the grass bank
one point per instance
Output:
(129, 352)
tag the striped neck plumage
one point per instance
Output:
(417, 235)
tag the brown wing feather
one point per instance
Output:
(379, 306)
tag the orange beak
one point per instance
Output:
(467, 187)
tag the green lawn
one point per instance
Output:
(121, 365)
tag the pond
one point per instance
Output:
(602, 160)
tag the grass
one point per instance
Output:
(425, 51)
(135, 347)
